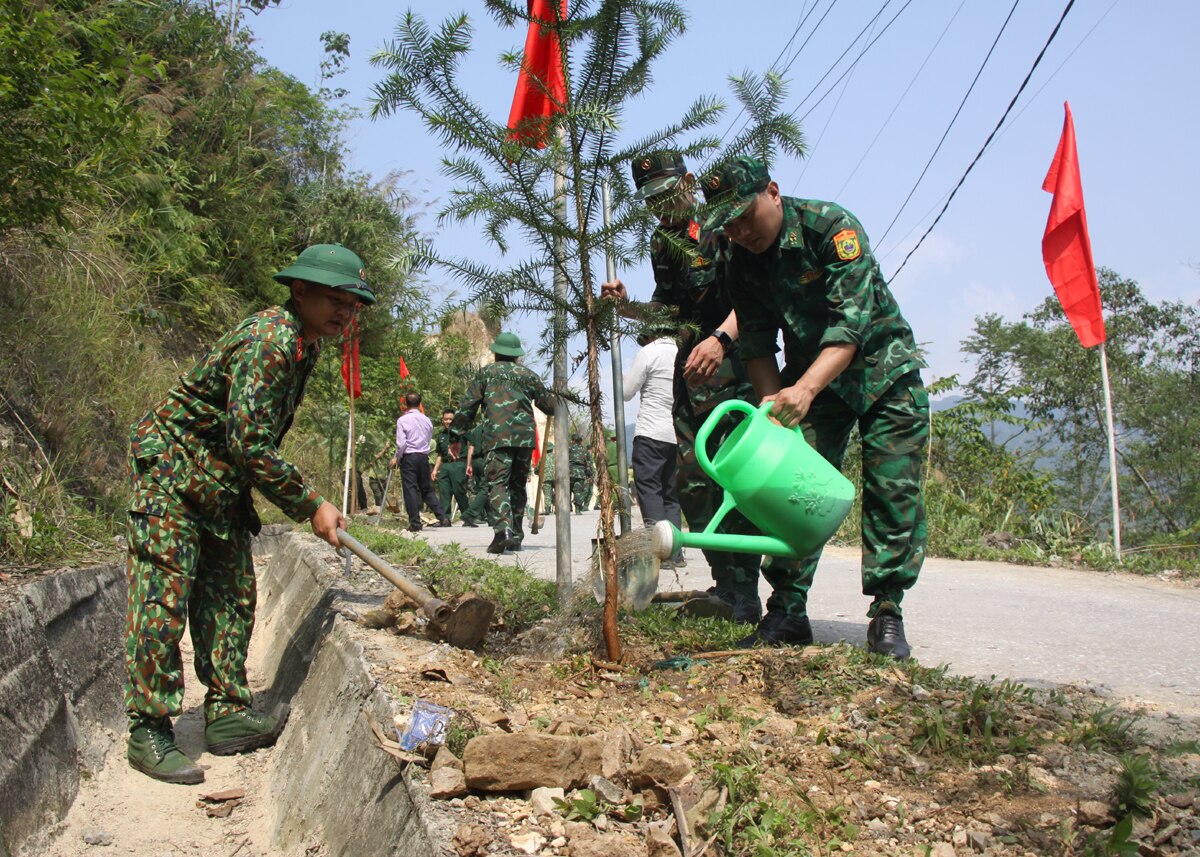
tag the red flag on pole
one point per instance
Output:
(350, 370)
(537, 452)
(541, 88)
(403, 368)
(1066, 247)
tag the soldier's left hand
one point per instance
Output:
(791, 405)
(704, 361)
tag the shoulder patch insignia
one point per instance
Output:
(699, 262)
(694, 230)
(809, 276)
(846, 244)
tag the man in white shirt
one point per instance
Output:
(654, 449)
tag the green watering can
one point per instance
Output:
(772, 476)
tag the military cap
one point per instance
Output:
(330, 265)
(731, 187)
(508, 345)
(657, 172)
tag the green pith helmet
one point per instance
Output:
(657, 172)
(731, 187)
(508, 345)
(330, 265)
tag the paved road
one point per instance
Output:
(1123, 635)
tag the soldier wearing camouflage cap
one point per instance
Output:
(507, 392)
(193, 460)
(689, 274)
(805, 268)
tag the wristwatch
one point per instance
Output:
(724, 338)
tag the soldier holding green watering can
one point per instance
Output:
(803, 267)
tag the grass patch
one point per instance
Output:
(520, 598)
(665, 628)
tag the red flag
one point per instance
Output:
(403, 368)
(350, 374)
(537, 453)
(541, 89)
(1066, 247)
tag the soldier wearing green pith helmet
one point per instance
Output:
(805, 268)
(193, 459)
(506, 391)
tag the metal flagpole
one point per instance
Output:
(349, 447)
(562, 467)
(1112, 453)
(618, 376)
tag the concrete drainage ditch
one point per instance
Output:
(325, 782)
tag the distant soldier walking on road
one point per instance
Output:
(507, 392)
(450, 468)
(804, 267)
(192, 462)
(582, 473)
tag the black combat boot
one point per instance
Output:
(778, 628)
(885, 634)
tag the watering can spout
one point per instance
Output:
(667, 540)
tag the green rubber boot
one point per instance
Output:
(244, 731)
(152, 751)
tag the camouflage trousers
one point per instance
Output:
(894, 434)
(179, 573)
(700, 497)
(452, 485)
(477, 492)
(507, 472)
(581, 489)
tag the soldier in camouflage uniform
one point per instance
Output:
(804, 267)
(689, 274)
(507, 392)
(582, 473)
(477, 489)
(192, 462)
(450, 467)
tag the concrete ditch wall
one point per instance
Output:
(61, 668)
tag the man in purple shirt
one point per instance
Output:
(413, 432)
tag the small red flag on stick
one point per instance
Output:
(1066, 247)
(541, 88)
(350, 370)
(404, 373)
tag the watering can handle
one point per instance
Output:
(714, 418)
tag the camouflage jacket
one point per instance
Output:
(507, 393)
(691, 274)
(820, 285)
(452, 446)
(216, 435)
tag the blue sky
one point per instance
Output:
(1127, 68)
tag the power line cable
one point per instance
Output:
(833, 112)
(795, 32)
(953, 120)
(869, 25)
(900, 100)
(852, 65)
(1054, 73)
(1037, 61)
